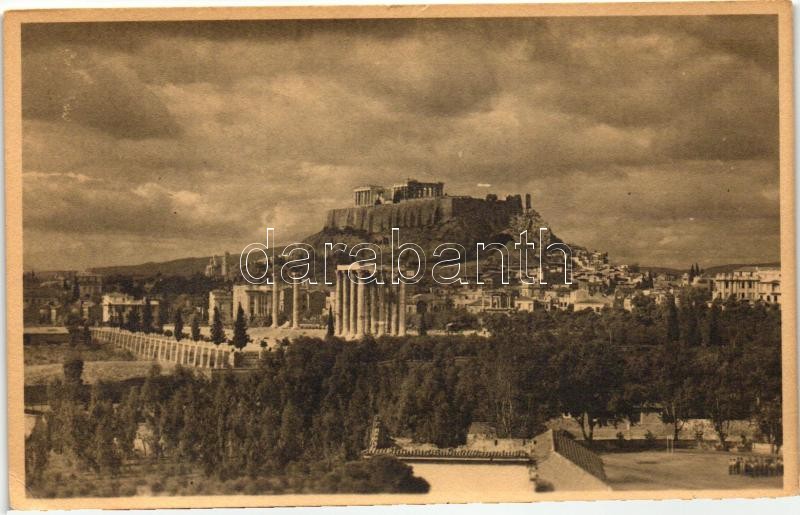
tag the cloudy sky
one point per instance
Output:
(655, 138)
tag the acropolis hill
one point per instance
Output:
(424, 215)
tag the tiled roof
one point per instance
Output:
(451, 454)
(578, 454)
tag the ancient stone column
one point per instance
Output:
(388, 326)
(338, 304)
(275, 300)
(401, 302)
(367, 309)
(381, 309)
(362, 318)
(353, 307)
(374, 307)
(396, 310)
(295, 303)
(345, 332)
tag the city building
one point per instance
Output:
(255, 299)
(89, 285)
(117, 307)
(222, 300)
(749, 283)
(582, 299)
(45, 335)
(219, 267)
(494, 300)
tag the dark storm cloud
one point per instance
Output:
(74, 85)
(191, 134)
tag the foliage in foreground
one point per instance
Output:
(306, 410)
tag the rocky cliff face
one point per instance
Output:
(426, 222)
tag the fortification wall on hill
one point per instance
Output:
(422, 213)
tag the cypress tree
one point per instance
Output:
(330, 331)
(240, 329)
(673, 329)
(195, 328)
(87, 335)
(133, 321)
(178, 325)
(423, 324)
(73, 369)
(713, 325)
(147, 316)
(217, 331)
(160, 322)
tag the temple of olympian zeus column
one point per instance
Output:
(295, 322)
(363, 308)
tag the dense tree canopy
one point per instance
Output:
(311, 401)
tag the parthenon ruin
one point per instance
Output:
(365, 306)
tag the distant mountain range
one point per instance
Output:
(197, 265)
(728, 268)
(184, 266)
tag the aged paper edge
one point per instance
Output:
(14, 268)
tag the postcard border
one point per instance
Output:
(13, 190)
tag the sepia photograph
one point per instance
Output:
(381, 255)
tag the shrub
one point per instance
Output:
(128, 490)
(650, 439)
(84, 490)
(65, 491)
(381, 474)
(156, 486)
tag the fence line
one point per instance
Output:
(167, 349)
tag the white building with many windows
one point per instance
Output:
(750, 283)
